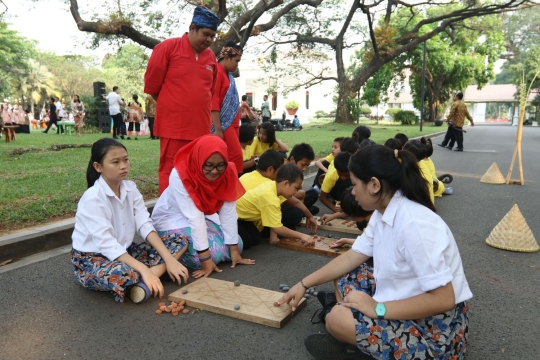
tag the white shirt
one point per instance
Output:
(60, 109)
(114, 103)
(106, 224)
(413, 252)
(176, 210)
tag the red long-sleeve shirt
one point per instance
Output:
(184, 86)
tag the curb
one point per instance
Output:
(57, 234)
(42, 238)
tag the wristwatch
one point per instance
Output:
(380, 310)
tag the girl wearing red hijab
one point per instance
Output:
(200, 206)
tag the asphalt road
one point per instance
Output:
(45, 314)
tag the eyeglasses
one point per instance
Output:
(210, 167)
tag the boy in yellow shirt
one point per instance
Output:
(323, 163)
(260, 208)
(246, 135)
(337, 179)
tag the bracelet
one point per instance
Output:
(202, 259)
(303, 285)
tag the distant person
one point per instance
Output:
(53, 115)
(246, 114)
(150, 104)
(77, 108)
(181, 74)
(296, 123)
(225, 109)
(134, 116)
(265, 110)
(5, 113)
(111, 210)
(456, 119)
(115, 101)
(60, 115)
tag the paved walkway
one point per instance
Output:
(47, 315)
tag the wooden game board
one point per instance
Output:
(321, 246)
(218, 296)
(339, 225)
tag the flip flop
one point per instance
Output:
(446, 178)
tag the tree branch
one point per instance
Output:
(124, 28)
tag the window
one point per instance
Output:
(250, 98)
(307, 100)
(274, 101)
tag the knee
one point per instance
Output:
(340, 324)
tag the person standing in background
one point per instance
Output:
(456, 119)
(150, 105)
(265, 107)
(180, 75)
(115, 101)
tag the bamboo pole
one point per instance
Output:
(523, 98)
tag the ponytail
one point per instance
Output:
(99, 150)
(395, 170)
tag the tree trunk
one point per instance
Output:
(343, 115)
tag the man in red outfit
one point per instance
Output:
(181, 74)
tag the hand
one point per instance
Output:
(472, 124)
(177, 271)
(362, 302)
(154, 284)
(219, 133)
(337, 208)
(207, 268)
(341, 242)
(326, 218)
(253, 157)
(296, 293)
(307, 240)
(237, 259)
(311, 224)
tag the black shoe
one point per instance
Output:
(327, 300)
(446, 178)
(441, 145)
(128, 138)
(326, 347)
(122, 137)
(458, 149)
(314, 210)
(115, 137)
(449, 147)
(136, 138)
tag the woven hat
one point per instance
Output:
(493, 176)
(513, 233)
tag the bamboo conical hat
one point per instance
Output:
(493, 175)
(513, 233)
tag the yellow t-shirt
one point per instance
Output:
(330, 179)
(426, 174)
(329, 158)
(261, 205)
(246, 153)
(431, 166)
(258, 147)
(253, 179)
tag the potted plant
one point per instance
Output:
(439, 115)
(292, 107)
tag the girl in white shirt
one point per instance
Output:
(200, 206)
(104, 256)
(412, 302)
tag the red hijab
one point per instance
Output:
(207, 195)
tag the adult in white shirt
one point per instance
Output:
(412, 303)
(59, 114)
(104, 256)
(115, 101)
(199, 205)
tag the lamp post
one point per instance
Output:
(423, 88)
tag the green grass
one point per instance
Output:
(320, 133)
(42, 185)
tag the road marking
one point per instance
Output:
(32, 259)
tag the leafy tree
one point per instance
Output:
(15, 50)
(125, 69)
(34, 84)
(464, 54)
